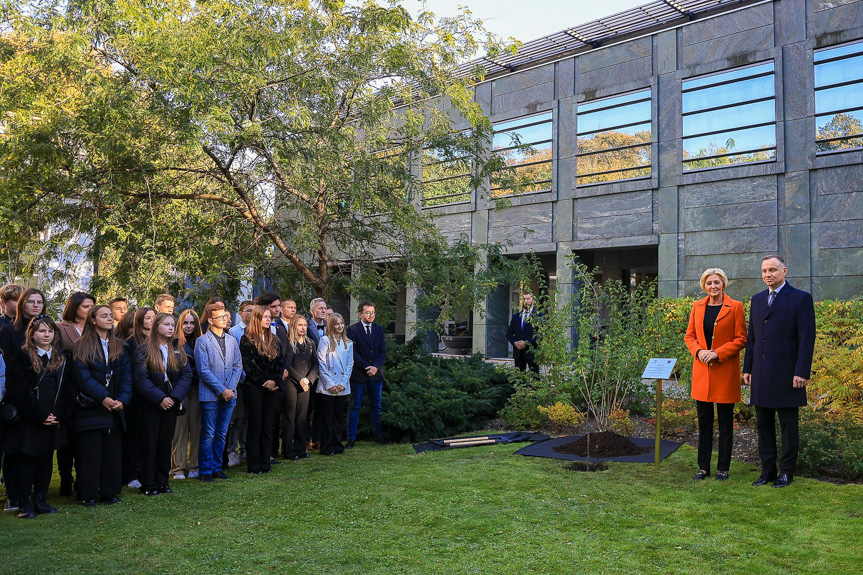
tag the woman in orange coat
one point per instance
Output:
(716, 334)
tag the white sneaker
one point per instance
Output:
(135, 484)
(179, 476)
(233, 460)
(192, 475)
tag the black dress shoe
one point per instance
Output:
(149, 492)
(350, 444)
(165, 489)
(274, 461)
(89, 503)
(764, 479)
(381, 439)
(701, 475)
(205, 477)
(219, 475)
(111, 500)
(721, 476)
(784, 480)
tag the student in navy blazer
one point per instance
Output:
(520, 334)
(219, 365)
(777, 365)
(161, 377)
(368, 372)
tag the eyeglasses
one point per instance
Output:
(368, 313)
(223, 316)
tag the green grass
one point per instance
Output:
(383, 509)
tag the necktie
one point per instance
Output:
(369, 332)
(45, 360)
(770, 298)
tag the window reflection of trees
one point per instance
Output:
(525, 144)
(614, 139)
(838, 100)
(729, 118)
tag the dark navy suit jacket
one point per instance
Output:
(367, 352)
(518, 333)
(779, 346)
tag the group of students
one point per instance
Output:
(138, 397)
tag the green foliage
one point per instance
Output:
(562, 414)
(837, 379)
(830, 444)
(187, 138)
(427, 396)
(522, 408)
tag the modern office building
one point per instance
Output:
(676, 136)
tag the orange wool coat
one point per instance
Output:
(718, 382)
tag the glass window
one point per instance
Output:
(613, 138)
(729, 118)
(526, 146)
(446, 179)
(838, 98)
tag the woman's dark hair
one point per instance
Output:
(32, 351)
(20, 320)
(181, 334)
(123, 329)
(267, 298)
(88, 348)
(138, 324)
(75, 300)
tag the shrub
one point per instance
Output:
(678, 417)
(562, 414)
(837, 367)
(830, 444)
(620, 422)
(521, 409)
(427, 396)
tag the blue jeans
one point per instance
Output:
(358, 390)
(215, 419)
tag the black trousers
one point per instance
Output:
(725, 415)
(66, 461)
(296, 432)
(99, 462)
(330, 409)
(33, 472)
(789, 427)
(262, 405)
(155, 437)
(129, 438)
(314, 418)
(525, 361)
(8, 467)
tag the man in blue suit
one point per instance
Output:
(368, 372)
(777, 365)
(520, 334)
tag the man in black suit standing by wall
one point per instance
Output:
(777, 365)
(520, 334)
(368, 373)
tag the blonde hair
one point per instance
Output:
(332, 336)
(713, 272)
(293, 336)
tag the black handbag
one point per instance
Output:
(8, 413)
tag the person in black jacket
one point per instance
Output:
(301, 361)
(187, 431)
(104, 380)
(141, 326)
(522, 336)
(263, 365)
(40, 387)
(31, 303)
(161, 376)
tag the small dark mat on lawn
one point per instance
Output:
(602, 445)
(546, 449)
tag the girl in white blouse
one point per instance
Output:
(335, 362)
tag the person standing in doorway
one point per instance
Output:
(522, 336)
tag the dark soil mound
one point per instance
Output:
(604, 444)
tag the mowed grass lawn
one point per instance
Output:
(383, 509)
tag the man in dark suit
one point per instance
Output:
(777, 365)
(368, 372)
(520, 334)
